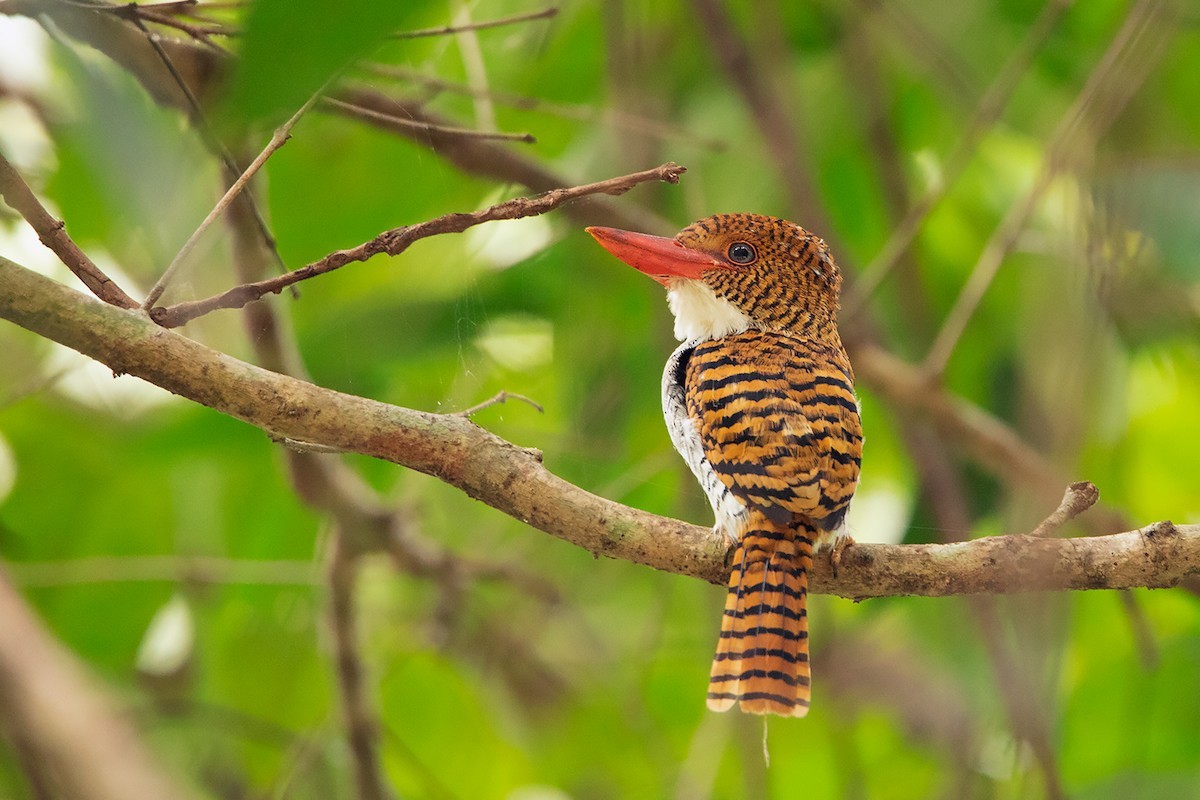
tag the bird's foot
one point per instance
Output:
(839, 548)
(729, 540)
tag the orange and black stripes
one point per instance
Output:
(779, 427)
(779, 422)
(759, 400)
(762, 653)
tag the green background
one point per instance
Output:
(1086, 344)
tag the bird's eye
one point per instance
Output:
(742, 253)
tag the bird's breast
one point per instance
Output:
(777, 421)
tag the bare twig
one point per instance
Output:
(205, 67)
(490, 160)
(397, 240)
(201, 33)
(1056, 158)
(428, 127)
(53, 234)
(499, 398)
(615, 118)
(198, 118)
(278, 139)
(168, 7)
(1079, 497)
(446, 30)
(166, 15)
(506, 477)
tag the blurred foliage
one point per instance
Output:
(1086, 343)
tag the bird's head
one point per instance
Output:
(733, 272)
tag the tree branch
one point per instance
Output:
(509, 478)
(278, 140)
(446, 30)
(53, 234)
(1079, 497)
(397, 240)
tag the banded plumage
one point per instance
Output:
(759, 400)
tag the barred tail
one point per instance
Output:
(762, 655)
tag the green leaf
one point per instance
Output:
(290, 48)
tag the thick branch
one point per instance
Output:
(514, 481)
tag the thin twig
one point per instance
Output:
(53, 234)
(477, 157)
(166, 15)
(280, 137)
(1079, 497)
(446, 30)
(988, 110)
(201, 33)
(497, 400)
(192, 105)
(427, 127)
(397, 240)
(1056, 158)
(615, 118)
(170, 6)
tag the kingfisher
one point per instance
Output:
(759, 400)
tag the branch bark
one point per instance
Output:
(512, 479)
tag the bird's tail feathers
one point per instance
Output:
(762, 655)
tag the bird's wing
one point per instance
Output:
(779, 422)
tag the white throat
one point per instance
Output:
(700, 314)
